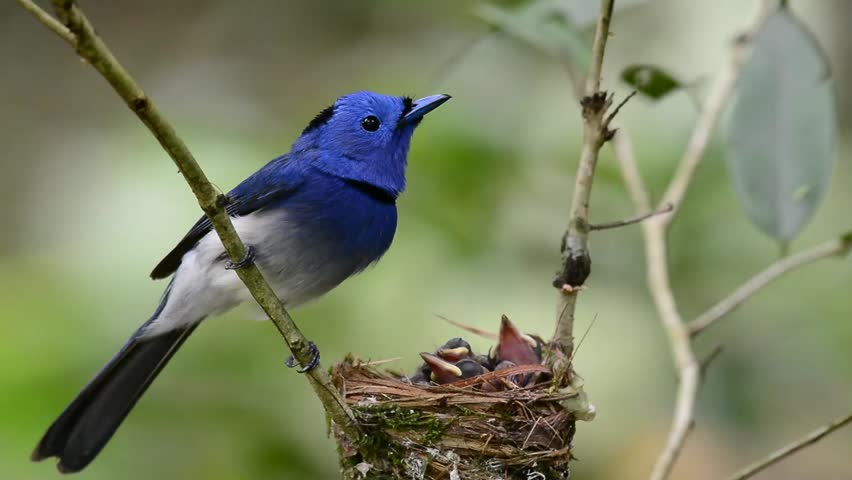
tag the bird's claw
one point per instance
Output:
(312, 363)
(248, 259)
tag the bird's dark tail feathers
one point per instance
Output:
(87, 424)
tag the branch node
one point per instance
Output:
(595, 104)
(575, 270)
(139, 104)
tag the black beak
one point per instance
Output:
(422, 106)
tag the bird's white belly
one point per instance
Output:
(203, 287)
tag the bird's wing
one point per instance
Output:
(273, 182)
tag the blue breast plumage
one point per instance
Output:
(325, 232)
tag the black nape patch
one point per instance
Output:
(320, 120)
(407, 105)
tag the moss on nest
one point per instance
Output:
(456, 431)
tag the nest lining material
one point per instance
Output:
(457, 430)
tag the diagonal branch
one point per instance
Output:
(715, 104)
(74, 27)
(794, 447)
(713, 107)
(45, 18)
(834, 248)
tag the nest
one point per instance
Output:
(458, 430)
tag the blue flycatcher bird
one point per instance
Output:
(311, 218)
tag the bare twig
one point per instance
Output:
(81, 35)
(834, 248)
(794, 447)
(705, 364)
(684, 358)
(538, 419)
(632, 220)
(593, 80)
(617, 109)
(575, 252)
(583, 338)
(626, 157)
(654, 231)
(45, 18)
(713, 106)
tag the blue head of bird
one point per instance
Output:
(364, 137)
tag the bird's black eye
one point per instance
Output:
(371, 123)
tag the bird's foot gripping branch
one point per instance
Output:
(460, 413)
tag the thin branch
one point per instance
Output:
(708, 360)
(713, 107)
(91, 48)
(626, 157)
(583, 338)
(45, 18)
(632, 220)
(718, 98)
(689, 371)
(659, 285)
(654, 231)
(794, 447)
(593, 80)
(617, 109)
(575, 253)
(834, 248)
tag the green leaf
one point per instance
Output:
(781, 135)
(651, 81)
(542, 25)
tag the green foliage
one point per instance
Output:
(92, 202)
(781, 137)
(650, 80)
(545, 26)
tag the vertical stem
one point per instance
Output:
(593, 80)
(575, 250)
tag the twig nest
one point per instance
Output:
(462, 430)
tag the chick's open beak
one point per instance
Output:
(442, 371)
(515, 346)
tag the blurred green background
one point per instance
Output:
(91, 203)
